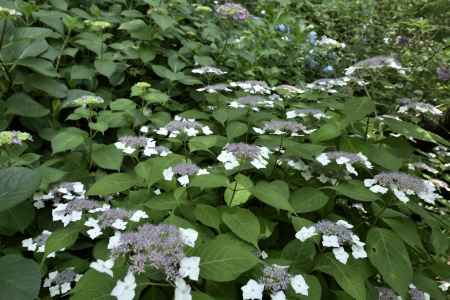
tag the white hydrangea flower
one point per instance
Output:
(119, 224)
(182, 290)
(208, 70)
(330, 241)
(103, 266)
(444, 285)
(138, 216)
(189, 236)
(232, 155)
(252, 290)
(95, 230)
(125, 289)
(114, 241)
(180, 125)
(299, 285)
(190, 267)
(341, 255)
(59, 214)
(305, 233)
(278, 296)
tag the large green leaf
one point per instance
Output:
(208, 215)
(308, 199)
(16, 219)
(23, 105)
(275, 193)
(388, 254)
(113, 183)
(68, 139)
(107, 156)
(351, 276)
(17, 185)
(20, 278)
(354, 189)
(356, 109)
(243, 223)
(94, 286)
(62, 238)
(223, 259)
(209, 181)
(151, 170)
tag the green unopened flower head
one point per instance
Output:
(140, 88)
(203, 9)
(9, 13)
(14, 137)
(98, 25)
(88, 100)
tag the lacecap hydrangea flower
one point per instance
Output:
(233, 11)
(182, 172)
(183, 126)
(37, 244)
(252, 102)
(275, 280)
(282, 127)
(64, 191)
(215, 88)
(208, 70)
(233, 155)
(407, 105)
(158, 246)
(345, 158)
(252, 86)
(376, 62)
(14, 137)
(74, 209)
(335, 235)
(9, 13)
(130, 144)
(304, 112)
(402, 185)
(60, 283)
(98, 25)
(88, 100)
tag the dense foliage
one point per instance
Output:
(180, 149)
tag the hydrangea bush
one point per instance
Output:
(207, 150)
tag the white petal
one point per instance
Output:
(342, 160)
(379, 189)
(119, 224)
(168, 174)
(189, 236)
(252, 290)
(114, 241)
(206, 130)
(358, 252)
(345, 224)
(299, 285)
(191, 131)
(369, 182)
(305, 233)
(341, 255)
(323, 159)
(259, 163)
(103, 266)
(138, 215)
(330, 241)
(183, 180)
(278, 296)
(125, 289)
(400, 195)
(190, 267)
(182, 290)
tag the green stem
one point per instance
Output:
(61, 51)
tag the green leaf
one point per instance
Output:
(23, 105)
(236, 129)
(151, 170)
(209, 181)
(208, 215)
(16, 219)
(68, 139)
(388, 254)
(406, 230)
(308, 199)
(275, 193)
(94, 286)
(414, 131)
(17, 185)
(20, 278)
(62, 238)
(201, 296)
(38, 65)
(351, 276)
(107, 156)
(206, 142)
(354, 189)
(223, 259)
(164, 22)
(243, 223)
(113, 183)
(48, 85)
(356, 109)
(328, 131)
(238, 192)
(164, 72)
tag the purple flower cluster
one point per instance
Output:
(233, 11)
